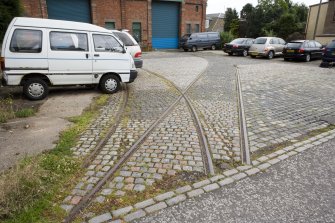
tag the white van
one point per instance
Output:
(131, 46)
(38, 53)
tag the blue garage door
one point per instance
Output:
(74, 10)
(165, 25)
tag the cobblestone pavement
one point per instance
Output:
(285, 102)
(172, 146)
(89, 138)
(181, 70)
(299, 189)
(279, 106)
(148, 98)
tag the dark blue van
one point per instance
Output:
(205, 40)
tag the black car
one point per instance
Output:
(329, 53)
(204, 40)
(238, 46)
(303, 50)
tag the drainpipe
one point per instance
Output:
(317, 20)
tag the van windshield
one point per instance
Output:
(186, 36)
(260, 41)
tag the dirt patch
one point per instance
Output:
(28, 136)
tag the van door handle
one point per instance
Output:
(86, 55)
(97, 55)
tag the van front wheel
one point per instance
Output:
(35, 89)
(109, 84)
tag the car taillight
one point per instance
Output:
(301, 50)
(2, 63)
(138, 54)
(235, 46)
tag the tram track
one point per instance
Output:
(209, 170)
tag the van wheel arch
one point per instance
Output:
(35, 76)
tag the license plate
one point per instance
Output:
(254, 54)
(290, 51)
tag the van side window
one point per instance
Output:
(65, 41)
(26, 41)
(213, 36)
(106, 43)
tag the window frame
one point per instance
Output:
(96, 34)
(196, 28)
(19, 29)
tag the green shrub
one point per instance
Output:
(226, 37)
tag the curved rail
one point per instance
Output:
(109, 174)
(103, 141)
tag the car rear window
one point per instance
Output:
(260, 41)
(294, 45)
(124, 38)
(331, 44)
(238, 41)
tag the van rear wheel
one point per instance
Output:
(194, 48)
(213, 47)
(35, 89)
(109, 84)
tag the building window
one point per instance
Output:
(137, 31)
(188, 28)
(110, 25)
(334, 17)
(196, 28)
(197, 8)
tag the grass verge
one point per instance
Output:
(30, 190)
(9, 111)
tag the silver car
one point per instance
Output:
(267, 47)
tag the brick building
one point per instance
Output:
(155, 23)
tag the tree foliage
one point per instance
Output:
(277, 17)
(8, 10)
(230, 17)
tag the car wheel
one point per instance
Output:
(109, 84)
(35, 89)
(230, 54)
(213, 47)
(308, 58)
(270, 55)
(194, 48)
(245, 53)
(186, 50)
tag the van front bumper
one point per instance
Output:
(133, 75)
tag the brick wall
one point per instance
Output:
(193, 12)
(125, 12)
(35, 8)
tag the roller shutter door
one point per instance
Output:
(165, 25)
(73, 10)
